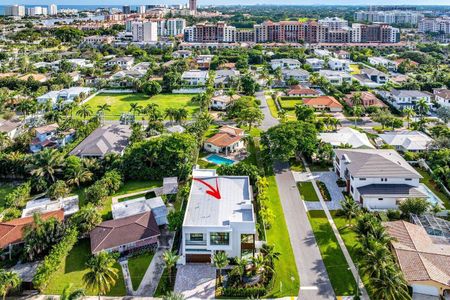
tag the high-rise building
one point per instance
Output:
(193, 5)
(174, 26)
(333, 23)
(142, 9)
(435, 25)
(219, 32)
(36, 11)
(389, 17)
(145, 31)
(14, 10)
(126, 9)
(52, 9)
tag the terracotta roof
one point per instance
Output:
(367, 99)
(46, 128)
(223, 139)
(303, 92)
(418, 256)
(114, 233)
(231, 129)
(327, 101)
(11, 232)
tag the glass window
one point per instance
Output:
(219, 238)
(196, 236)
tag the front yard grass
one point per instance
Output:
(307, 191)
(337, 268)
(120, 103)
(137, 266)
(429, 182)
(272, 106)
(73, 269)
(278, 235)
(5, 189)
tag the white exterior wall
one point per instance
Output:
(442, 101)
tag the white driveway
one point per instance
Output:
(196, 281)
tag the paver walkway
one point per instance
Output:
(196, 281)
(127, 277)
(314, 281)
(347, 256)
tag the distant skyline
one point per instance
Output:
(227, 2)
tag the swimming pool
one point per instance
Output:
(431, 197)
(219, 160)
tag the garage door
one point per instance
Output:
(425, 289)
(198, 258)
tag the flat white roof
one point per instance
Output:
(137, 206)
(233, 205)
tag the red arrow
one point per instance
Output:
(212, 191)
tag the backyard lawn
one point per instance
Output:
(307, 191)
(137, 266)
(278, 235)
(120, 103)
(340, 276)
(73, 269)
(5, 189)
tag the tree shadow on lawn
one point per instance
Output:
(77, 258)
(134, 98)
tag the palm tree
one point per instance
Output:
(239, 268)
(409, 113)
(220, 261)
(390, 285)
(350, 209)
(173, 296)
(84, 111)
(69, 294)
(357, 112)
(102, 274)
(356, 99)
(170, 259)
(135, 108)
(103, 107)
(5, 141)
(153, 112)
(170, 113)
(76, 176)
(8, 280)
(181, 114)
(422, 107)
(47, 163)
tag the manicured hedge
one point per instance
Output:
(54, 259)
(246, 292)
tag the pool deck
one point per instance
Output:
(234, 157)
(431, 195)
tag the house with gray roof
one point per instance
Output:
(219, 217)
(402, 99)
(104, 140)
(300, 75)
(140, 205)
(378, 179)
(371, 77)
(407, 140)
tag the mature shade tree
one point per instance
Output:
(46, 164)
(443, 113)
(152, 88)
(417, 206)
(249, 85)
(86, 219)
(305, 113)
(102, 273)
(58, 190)
(250, 116)
(8, 281)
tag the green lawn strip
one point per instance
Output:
(350, 239)
(5, 189)
(272, 107)
(278, 235)
(73, 269)
(337, 268)
(307, 191)
(120, 103)
(138, 266)
(429, 182)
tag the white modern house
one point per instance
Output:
(300, 75)
(285, 63)
(336, 77)
(44, 205)
(221, 102)
(401, 99)
(322, 52)
(384, 62)
(407, 140)
(65, 96)
(378, 179)
(195, 77)
(219, 217)
(315, 63)
(125, 62)
(347, 136)
(337, 64)
(371, 77)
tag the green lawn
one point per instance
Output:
(278, 236)
(307, 191)
(272, 107)
(137, 266)
(130, 186)
(289, 104)
(74, 268)
(428, 181)
(337, 268)
(120, 103)
(5, 189)
(355, 69)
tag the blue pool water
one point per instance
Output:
(219, 160)
(432, 198)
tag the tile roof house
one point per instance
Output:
(221, 102)
(125, 234)
(48, 136)
(221, 221)
(228, 139)
(347, 136)
(106, 139)
(407, 140)
(302, 92)
(328, 103)
(12, 232)
(378, 179)
(367, 99)
(425, 263)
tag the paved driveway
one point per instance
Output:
(329, 178)
(314, 281)
(268, 120)
(196, 281)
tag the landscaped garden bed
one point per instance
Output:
(323, 190)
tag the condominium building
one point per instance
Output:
(389, 17)
(141, 9)
(210, 32)
(36, 11)
(174, 26)
(15, 10)
(52, 9)
(333, 23)
(126, 9)
(145, 31)
(193, 5)
(435, 25)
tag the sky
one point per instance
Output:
(229, 2)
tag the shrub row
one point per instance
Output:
(108, 185)
(54, 259)
(19, 196)
(244, 292)
(324, 190)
